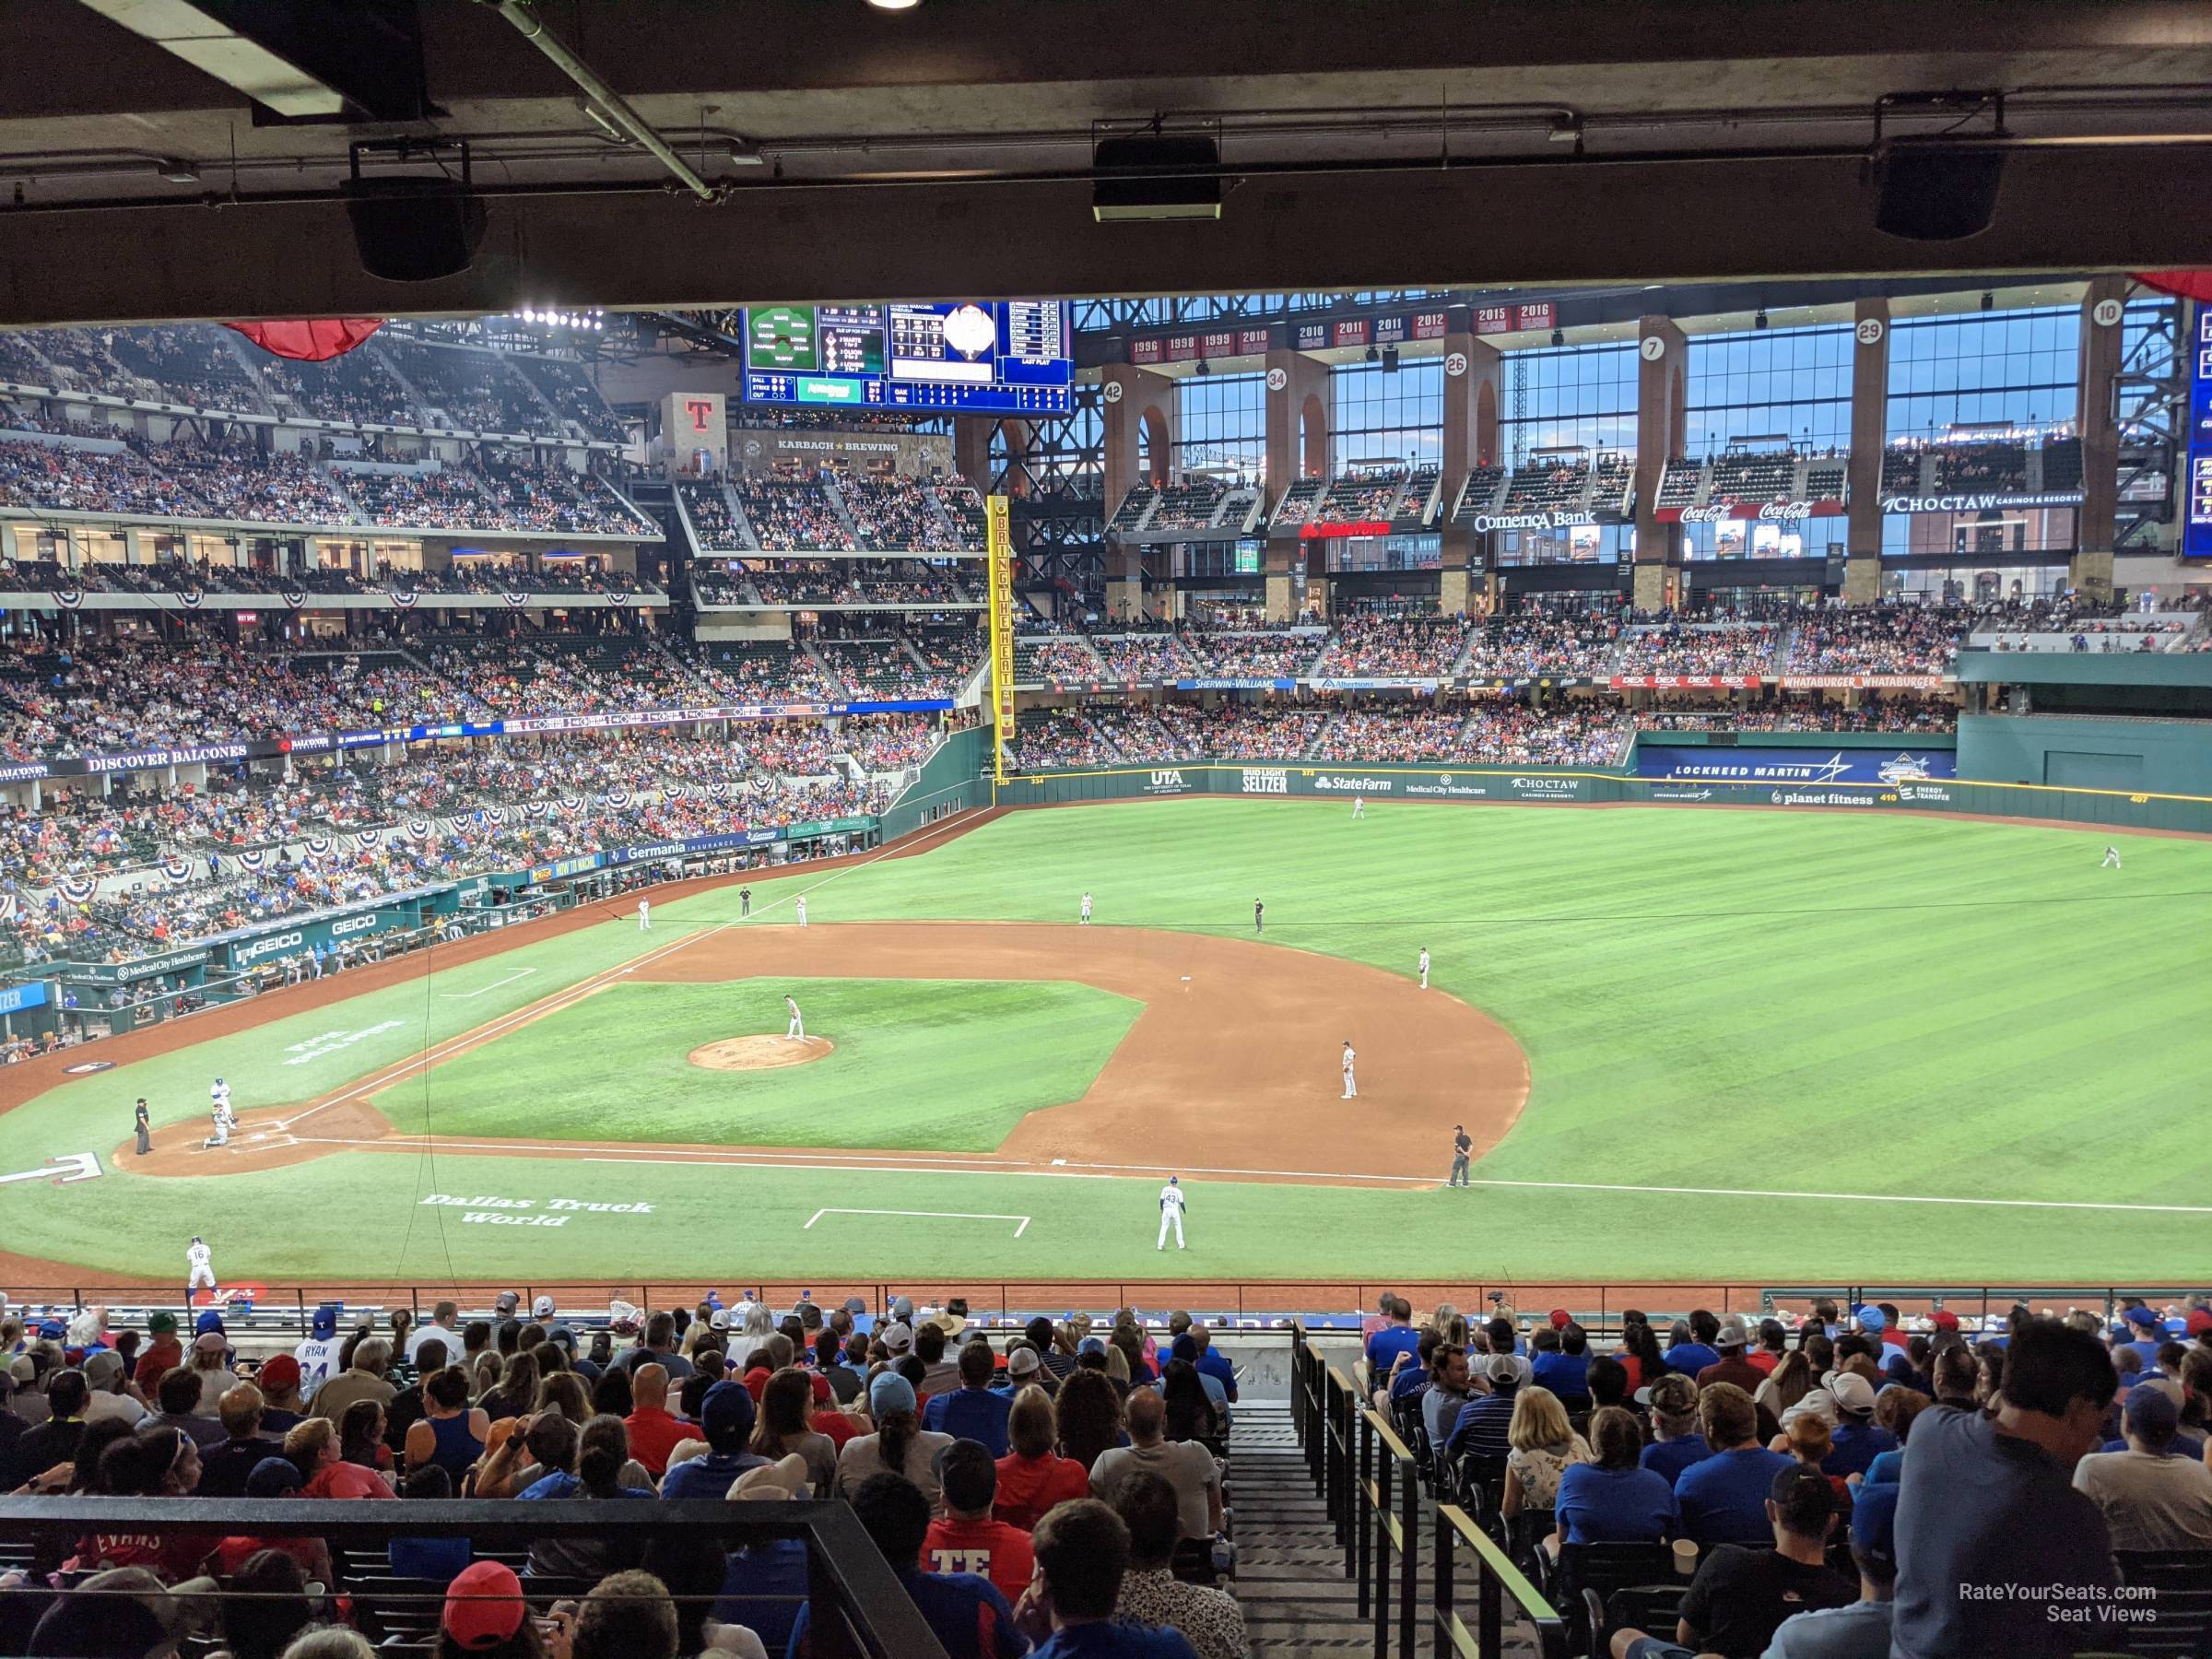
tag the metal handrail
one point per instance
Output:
(1497, 1580)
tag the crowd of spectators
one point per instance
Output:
(1901, 638)
(1411, 733)
(1055, 657)
(1697, 650)
(559, 498)
(1403, 646)
(791, 516)
(569, 389)
(1023, 1491)
(898, 514)
(1241, 731)
(1143, 657)
(1546, 485)
(1252, 652)
(1557, 734)
(1544, 642)
(1878, 711)
(709, 510)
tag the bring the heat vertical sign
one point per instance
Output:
(999, 541)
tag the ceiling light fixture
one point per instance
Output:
(894, 5)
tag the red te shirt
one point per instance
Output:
(1027, 1486)
(654, 1434)
(838, 1426)
(1000, 1553)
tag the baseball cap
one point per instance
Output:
(1870, 1317)
(1732, 1334)
(898, 1338)
(1022, 1362)
(53, 1330)
(1091, 1345)
(786, 1477)
(1674, 1394)
(274, 1477)
(507, 1303)
(1503, 1368)
(2147, 1318)
(541, 1308)
(1560, 1319)
(162, 1325)
(889, 1392)
(278, 1372)
(1852, 1393)
(326, 1321)
(1874, 1521)
(1942, 1318)
(2152, 1412)
(728, 1414)
(484, 1606)
(2200, 1320)
(854, 1305)
(102, 1365)
(902, 1309)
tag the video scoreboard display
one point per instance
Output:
(2197, 506)
(994, 357)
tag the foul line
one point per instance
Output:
(926, 1216)
(548, 1004)
(923, 1163)
(480, 990)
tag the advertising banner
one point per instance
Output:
(1679, 763)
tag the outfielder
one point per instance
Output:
(1259, 917)
(1351, 1088)
(798, 1027)
(1087, 910)
(199, 1264)
(1170, 1212)
(1424, 966)
(802, 909)
(1358, 808)
(644, 916)
(2112, 859)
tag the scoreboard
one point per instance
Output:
(2196, 504)
(994, 357)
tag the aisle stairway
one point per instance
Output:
(1289, 1566)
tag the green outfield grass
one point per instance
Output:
(613, 1065)
(1843, 1011)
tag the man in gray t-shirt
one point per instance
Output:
(1997, 1553)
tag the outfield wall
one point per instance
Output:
(1564, 786)
(953, 779)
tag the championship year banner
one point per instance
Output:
(999, 543)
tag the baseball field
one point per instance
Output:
(1692, 1045)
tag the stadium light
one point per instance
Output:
(894, 6)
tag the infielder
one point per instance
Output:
(199, 1269)
(1351, 1088)
(802, 909)
(2112, 859)
(1259, 917)
(1424, 966)
(1087, 910)
(1358, 808)
(797, 1028)
(644, 916)
(1170, 1212)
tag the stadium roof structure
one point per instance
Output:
(666, 153)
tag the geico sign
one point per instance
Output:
(352, 924)
(1786, 512)
(1483, 523)
(269, 946)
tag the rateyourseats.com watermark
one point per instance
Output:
(2074, 1604)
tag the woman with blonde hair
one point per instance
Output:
(1791, 1380)
(1544, 1446)
(1117, 1368)
(1450, 1324)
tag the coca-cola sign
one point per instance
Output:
(1783, 511)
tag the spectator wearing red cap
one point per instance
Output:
(486, 1617)
(278, 1380)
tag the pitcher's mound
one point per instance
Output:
(759, 1053)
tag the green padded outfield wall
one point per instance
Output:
(2166, 756)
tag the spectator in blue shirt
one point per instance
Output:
(1856, 1439)
(1723, 1496)
(972, 1411)
(726, 1419)
(1396, 1339)
(1484, 1423)
(2144, 1330)
(1082, 1550)
(1678, 1443)
(1689, 1343)
(1613, 1500)
(971, 1618)
(1562, 1364)
(1213, 1363)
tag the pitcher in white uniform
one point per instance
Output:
(1170, 1211)
(797, 1028)
(1351, 1088)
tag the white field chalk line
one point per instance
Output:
(465, 995)
(925, 1216)
(545, 1005)
(925, 1163)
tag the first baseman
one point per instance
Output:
(1170, 1212)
